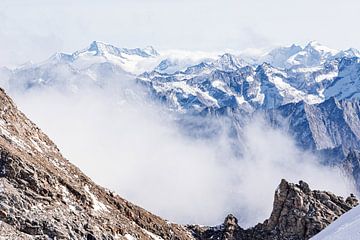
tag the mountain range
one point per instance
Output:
(291, 81)
(44, 196)
(314, 88)
(310, 92)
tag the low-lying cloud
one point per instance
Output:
(139, 151)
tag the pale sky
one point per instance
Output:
(34, 30)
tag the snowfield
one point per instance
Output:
(347, 227)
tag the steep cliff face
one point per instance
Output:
(298, 213)
(351, 165)
(43, 196)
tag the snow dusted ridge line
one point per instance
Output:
(196, 80)
(285, 75)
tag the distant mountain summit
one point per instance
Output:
(102, 49)
(107, 51)
(312, 55)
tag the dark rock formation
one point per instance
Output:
(43, 196)
(298, 213)
(229, 230)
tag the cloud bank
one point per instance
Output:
(137, 149)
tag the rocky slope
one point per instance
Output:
(43, 196)
(298, 213)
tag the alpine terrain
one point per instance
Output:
(44, 196)
(309, 92)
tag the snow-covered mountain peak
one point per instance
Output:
(98, 48)
(198, 68)
(128, 59)
(229, 58)
(226, 62)
(351, 52)
(62, 57)
(164, 65)
(285, 51)
(229, 62)
(312, 55)
(266, 67)
(346, 85)
(151, 51)
(346, 62)
(279, 56)
(314, 45)
(287, 74)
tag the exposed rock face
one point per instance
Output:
(298, 213)
(329, 125)
(351, 165)
(43, 196)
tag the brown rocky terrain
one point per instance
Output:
(44, 196)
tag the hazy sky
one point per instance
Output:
(33, 30)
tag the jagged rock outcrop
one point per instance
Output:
(229, 230)
(43, 196)
(298, 213)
